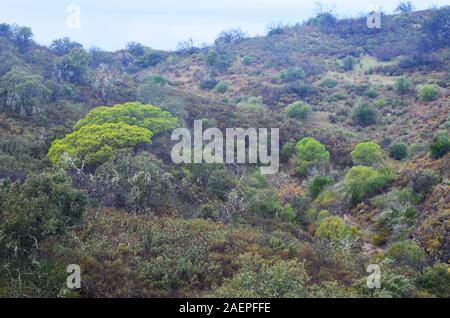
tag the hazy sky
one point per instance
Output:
(110, 24)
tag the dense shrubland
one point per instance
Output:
(364, 132)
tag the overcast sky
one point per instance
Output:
(110, 24)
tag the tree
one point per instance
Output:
(106, 129)
(403, 85)
(23, 91)
(298, 110)
(135, 49)
(362, 181)
(437, 28)
(292, 74)
(135, 114)
(364, 115)
(367, 154)
(405, 7)
(187, 47)
(230, 36)
(311, 154)
(64, 46)
(73, 66)
(398, 151)
(22, 37)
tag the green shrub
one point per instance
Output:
(440, 145)
(362, 181)
(292, 74)
(221, 87)
(220, 183)
(398, 151)
(298, 110)
(328, 82)
(348, 63)
(403, 85)
(317, 184)
(367, 154)
(428, 93)
(265, 203)
(208, 84)
(311, 154)
(247, 60)
(333, 228)
(287, 213)
(436, 280)
(287, 151)
(364, 115)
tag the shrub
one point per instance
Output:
(298, 110)
(437, 28)
(367, 154)
(287, 150)
(247, 60)
(362, 181)
(319, 183)
(424, 181)
(230, 36)
(328, 82)
(428, 93)
(364, 115)
(405, 7)
(333, 228)
(398, 151)
(43, 206)
(221, 182)
(265, 203)
(292, 74)
(436, 280)
(348, 63)
(440, 145)
(403, 85)
(221, 87)
(208, 83)
(407, 253)
(311, 154)
(287, 213)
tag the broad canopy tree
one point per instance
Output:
(106, 129)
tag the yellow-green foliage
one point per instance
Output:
(362, 181)
(333, 228)
(311, 154)
(106, 129)
(367, 154)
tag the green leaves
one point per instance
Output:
(367, 154)
(311, 154)
(106, 129)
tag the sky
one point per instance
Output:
(111, 24)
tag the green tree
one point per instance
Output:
(22, 37)
(367, 154)
(106, 129)
(440, 145)
(311, 154)
(317, 184)
(298, 110)
(292, 74)
(64, 46)
(348, 63)
(23, 91)
(74, 65)
(134, 114)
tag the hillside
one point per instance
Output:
(364, 119)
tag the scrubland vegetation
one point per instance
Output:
(364, 115)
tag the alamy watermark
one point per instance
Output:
(242, 146)
(74, 279)
(74, 19)
(374, 279)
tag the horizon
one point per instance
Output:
(173, 21)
